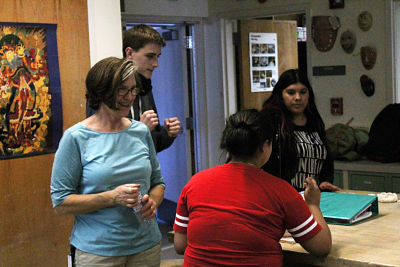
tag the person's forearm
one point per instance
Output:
(327, 170)
(81, 204)
(157, 194)
(320, 244)
(316, 212)
(161, 139)
(180, 243)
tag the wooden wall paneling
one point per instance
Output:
(28, 11)
(74, 59)
(31, 234)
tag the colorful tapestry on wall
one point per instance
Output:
(30, 92)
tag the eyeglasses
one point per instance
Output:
(124, 92)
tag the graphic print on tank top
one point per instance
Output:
(311, 154)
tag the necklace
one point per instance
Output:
(246, 163)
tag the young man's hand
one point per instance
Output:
(173, 126)
(150, 118)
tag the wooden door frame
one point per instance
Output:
(228, 25)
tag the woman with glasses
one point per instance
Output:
(102, 165)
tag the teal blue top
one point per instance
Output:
(89, 162)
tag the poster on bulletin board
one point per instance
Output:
(263, 61)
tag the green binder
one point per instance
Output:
(347, 208)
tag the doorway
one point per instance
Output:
(300, 19)
(290, 30)
(266, 49)
(229, 28)
(173, 94)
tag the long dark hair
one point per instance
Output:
(275, 102)
(245, 133)
(282, 119)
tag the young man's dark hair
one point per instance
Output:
(140, 35)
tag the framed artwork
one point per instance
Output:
(30, 90)
(336, 4)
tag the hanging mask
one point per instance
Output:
(365, 21)
(348, 41)
(324, 31)
(368, 56)
(367, 85)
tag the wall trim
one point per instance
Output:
(264, 11)
(159, 19)
(393, 44)
(392, 94)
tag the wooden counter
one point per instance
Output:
(374, 242)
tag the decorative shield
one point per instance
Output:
(324, 31)
(348, 41)
(367, 85)
(365, 21)
(368, 56)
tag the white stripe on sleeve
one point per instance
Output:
(181, 224)
(301, 225)
(306, 231)
(182, 218)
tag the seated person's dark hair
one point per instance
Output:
(245, 132)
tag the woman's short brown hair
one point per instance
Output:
(104, 80)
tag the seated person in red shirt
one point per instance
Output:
(236, 213)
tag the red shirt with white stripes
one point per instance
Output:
(235, 214)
